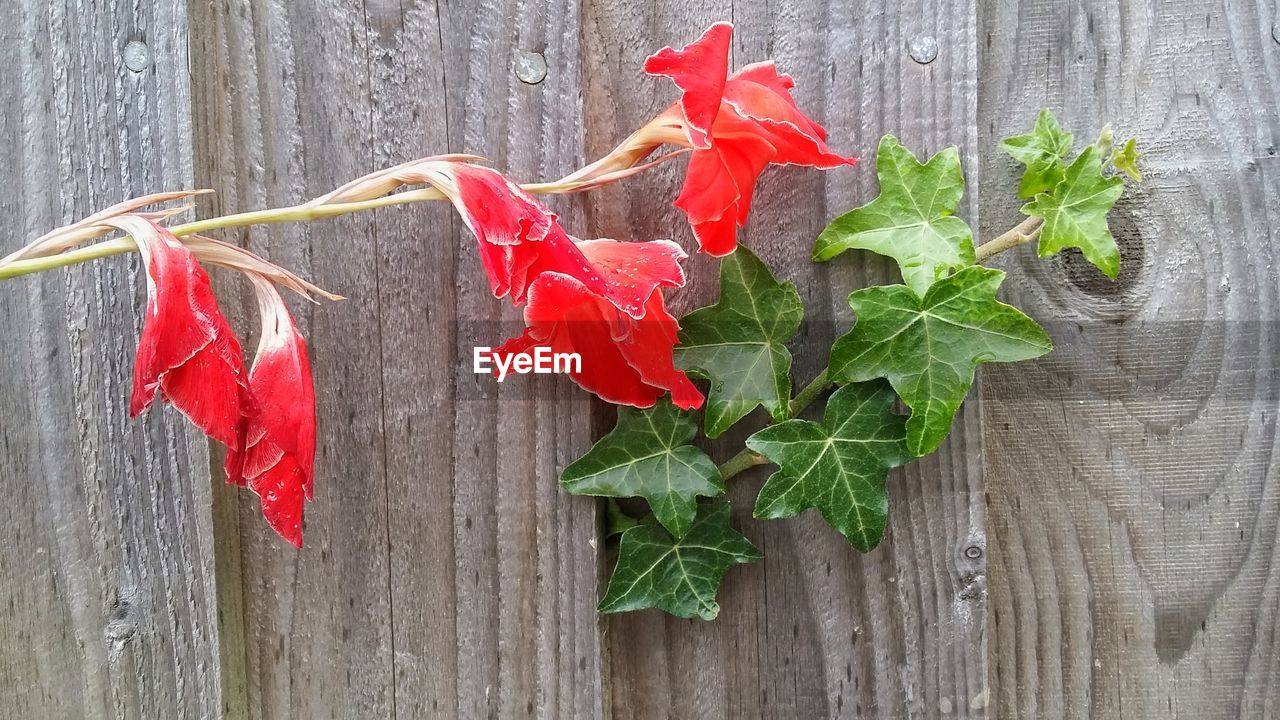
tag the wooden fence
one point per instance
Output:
(1097, 539)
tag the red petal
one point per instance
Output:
(716, 238)
(638, 268)
(507, 222)
(281, 435)
(520, 240)
(648, 350)
(718, 187)
(567, 317)
(737, 126)
(625, 361)
(208, 388)
(187, 348)
(759, 93)
(699, 69)
(282, 492)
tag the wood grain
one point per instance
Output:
(1129, 476)
(107, 601)
(444, 574)
(815, 630)
(1132, 473)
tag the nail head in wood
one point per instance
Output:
(923, 49)
(530, 67)
(137, 56)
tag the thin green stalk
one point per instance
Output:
(304, 213)
(294, 213)
(118, 246)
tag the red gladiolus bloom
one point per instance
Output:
(280, 436)
(735, 125)
(520, 239)
(626, 360)
(187, 350)
(600, 298)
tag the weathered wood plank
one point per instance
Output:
(445, 575)
(107, 601)
(528, 636)
(815, 630)
(1133, 473)
(317, 624)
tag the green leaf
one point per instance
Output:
(911, 220)
(648, 455)
(1126, 160)
(739, 344)
(1075, 214)
(655, 570)
(839, 466)
(930, 347)
(1043, 151)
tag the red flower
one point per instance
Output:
(520, 239)
(626, 360)
(266, 418)
(280, 436)
(734, 125)
(187, 350)
(599, 298)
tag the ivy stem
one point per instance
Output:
(1023, 232)
(617, 521)
(809, 393)
(748, 458)
(744, 460)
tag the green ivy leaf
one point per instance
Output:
(739, 344)
(1043, 151)
(929, 348)
(655, 570)
(911, 221)
(838, 467)
(648, 455)
(1075, 213)
(1126, 160)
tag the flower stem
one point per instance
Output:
(293, 213)
(1023, 232)
(16, 268)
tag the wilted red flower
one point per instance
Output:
(735, 126)
(187, 350)
(626, 360)
(280, 435)
(189, 354)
